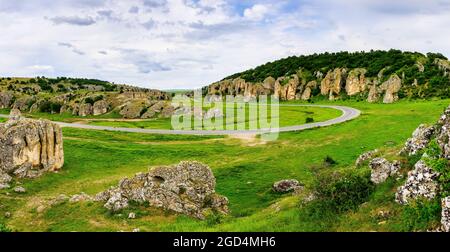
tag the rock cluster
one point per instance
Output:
(287, 185)
(421, 183)
(29, 147)
(331, 85)
(365, 157)
(420, 139)
(445, 219)
(382, 169)
(187, 188)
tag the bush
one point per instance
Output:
(4, 228)
(309, 120)
(335, 195)
(50, 107)
(329, 161)
(421, 215)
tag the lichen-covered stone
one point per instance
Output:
(187, 188)
(382, 169)
(421, 183)
(420, 139)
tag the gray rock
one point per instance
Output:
(419, 140)
(287, 185)
(30, 147)
(421, 183)
(100, 107)
(131, 216)
(445, 219)
(5, 179)
(19, 189)
(365, 157)
(80, 197)
(187, 188)
(382, 169)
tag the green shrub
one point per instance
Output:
(50, 107)
(4, 228)
(309, 120)
(421, 215)
(329, 161)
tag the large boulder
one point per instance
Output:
(445, 218)
(132, 110)
(287, 185)
(421, 183)
(333, 82)
(356, 81)
(420, 139)
(5, 100)
(391, 87)
(30, 147)
(187, 188)
(382, 169)
(85, 109)
(100, 107)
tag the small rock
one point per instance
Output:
(40, 209)
(19, 189)
(58, 200)
(131, 216)
(7, 215)
(136, 230)
(80, 197)
(287, 185)
(419, 140)
(365, 157)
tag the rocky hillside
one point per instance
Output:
(375, 76)
(82, 97)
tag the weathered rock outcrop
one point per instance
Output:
(132, 110)
(420, 139)
(333, 82)
(30, 147)
(356, 81)
(307, 92)
(187, 188)
(5, 100)
(421, 183)
(287, 185)
(382, 169)
(100, 107)
(445, 218)
(391, 87)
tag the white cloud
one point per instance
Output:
(256, 12)
(190, 43)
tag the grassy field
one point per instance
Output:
(245, 171)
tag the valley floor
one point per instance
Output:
(245, 171)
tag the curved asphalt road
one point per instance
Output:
(348, 114)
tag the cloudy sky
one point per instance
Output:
(170, 44)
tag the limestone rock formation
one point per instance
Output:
(374, 92)
(333, 82)
(365, 157)
(391, 88)
(132, 110)
(307, 92)
(187, 188)
(382, 169)
(100, 107)
(443, 134)
(420, 139)
(356, 81)
(29, 147)
(287, 185)
(445, 218)
(421, 183)
(5, 100)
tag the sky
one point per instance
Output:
(180, 44)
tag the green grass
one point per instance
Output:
(95, 160)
